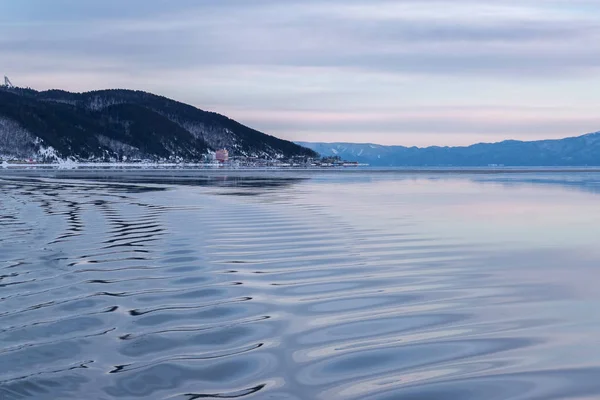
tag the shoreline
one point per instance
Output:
(216, 169)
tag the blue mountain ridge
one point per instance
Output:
(573, 151)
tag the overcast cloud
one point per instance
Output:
(413, 72)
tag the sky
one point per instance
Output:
(406, 72)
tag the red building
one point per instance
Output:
(222, 155)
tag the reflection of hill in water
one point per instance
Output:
(139, 181)
(209, 181)
(248, 183)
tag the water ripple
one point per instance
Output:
(341, 286)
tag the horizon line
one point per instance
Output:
(300, 142)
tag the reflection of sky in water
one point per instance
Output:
(544, 212)
(536, 233)
(528, 215)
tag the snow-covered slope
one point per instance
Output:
(18, 143)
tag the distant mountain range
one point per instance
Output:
(575, 151)
(113, 125)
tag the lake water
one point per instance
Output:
(299, 285)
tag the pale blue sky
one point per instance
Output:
(412, 72)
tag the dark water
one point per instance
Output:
(284, 285)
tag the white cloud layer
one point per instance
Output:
(283, 65)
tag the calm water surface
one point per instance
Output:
(288, 285)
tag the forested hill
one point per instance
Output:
(113, 124)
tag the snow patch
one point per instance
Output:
(67, 164)
(98, 103)
(48, 153)
(16, 141)
(63, 101)
(119, 148)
